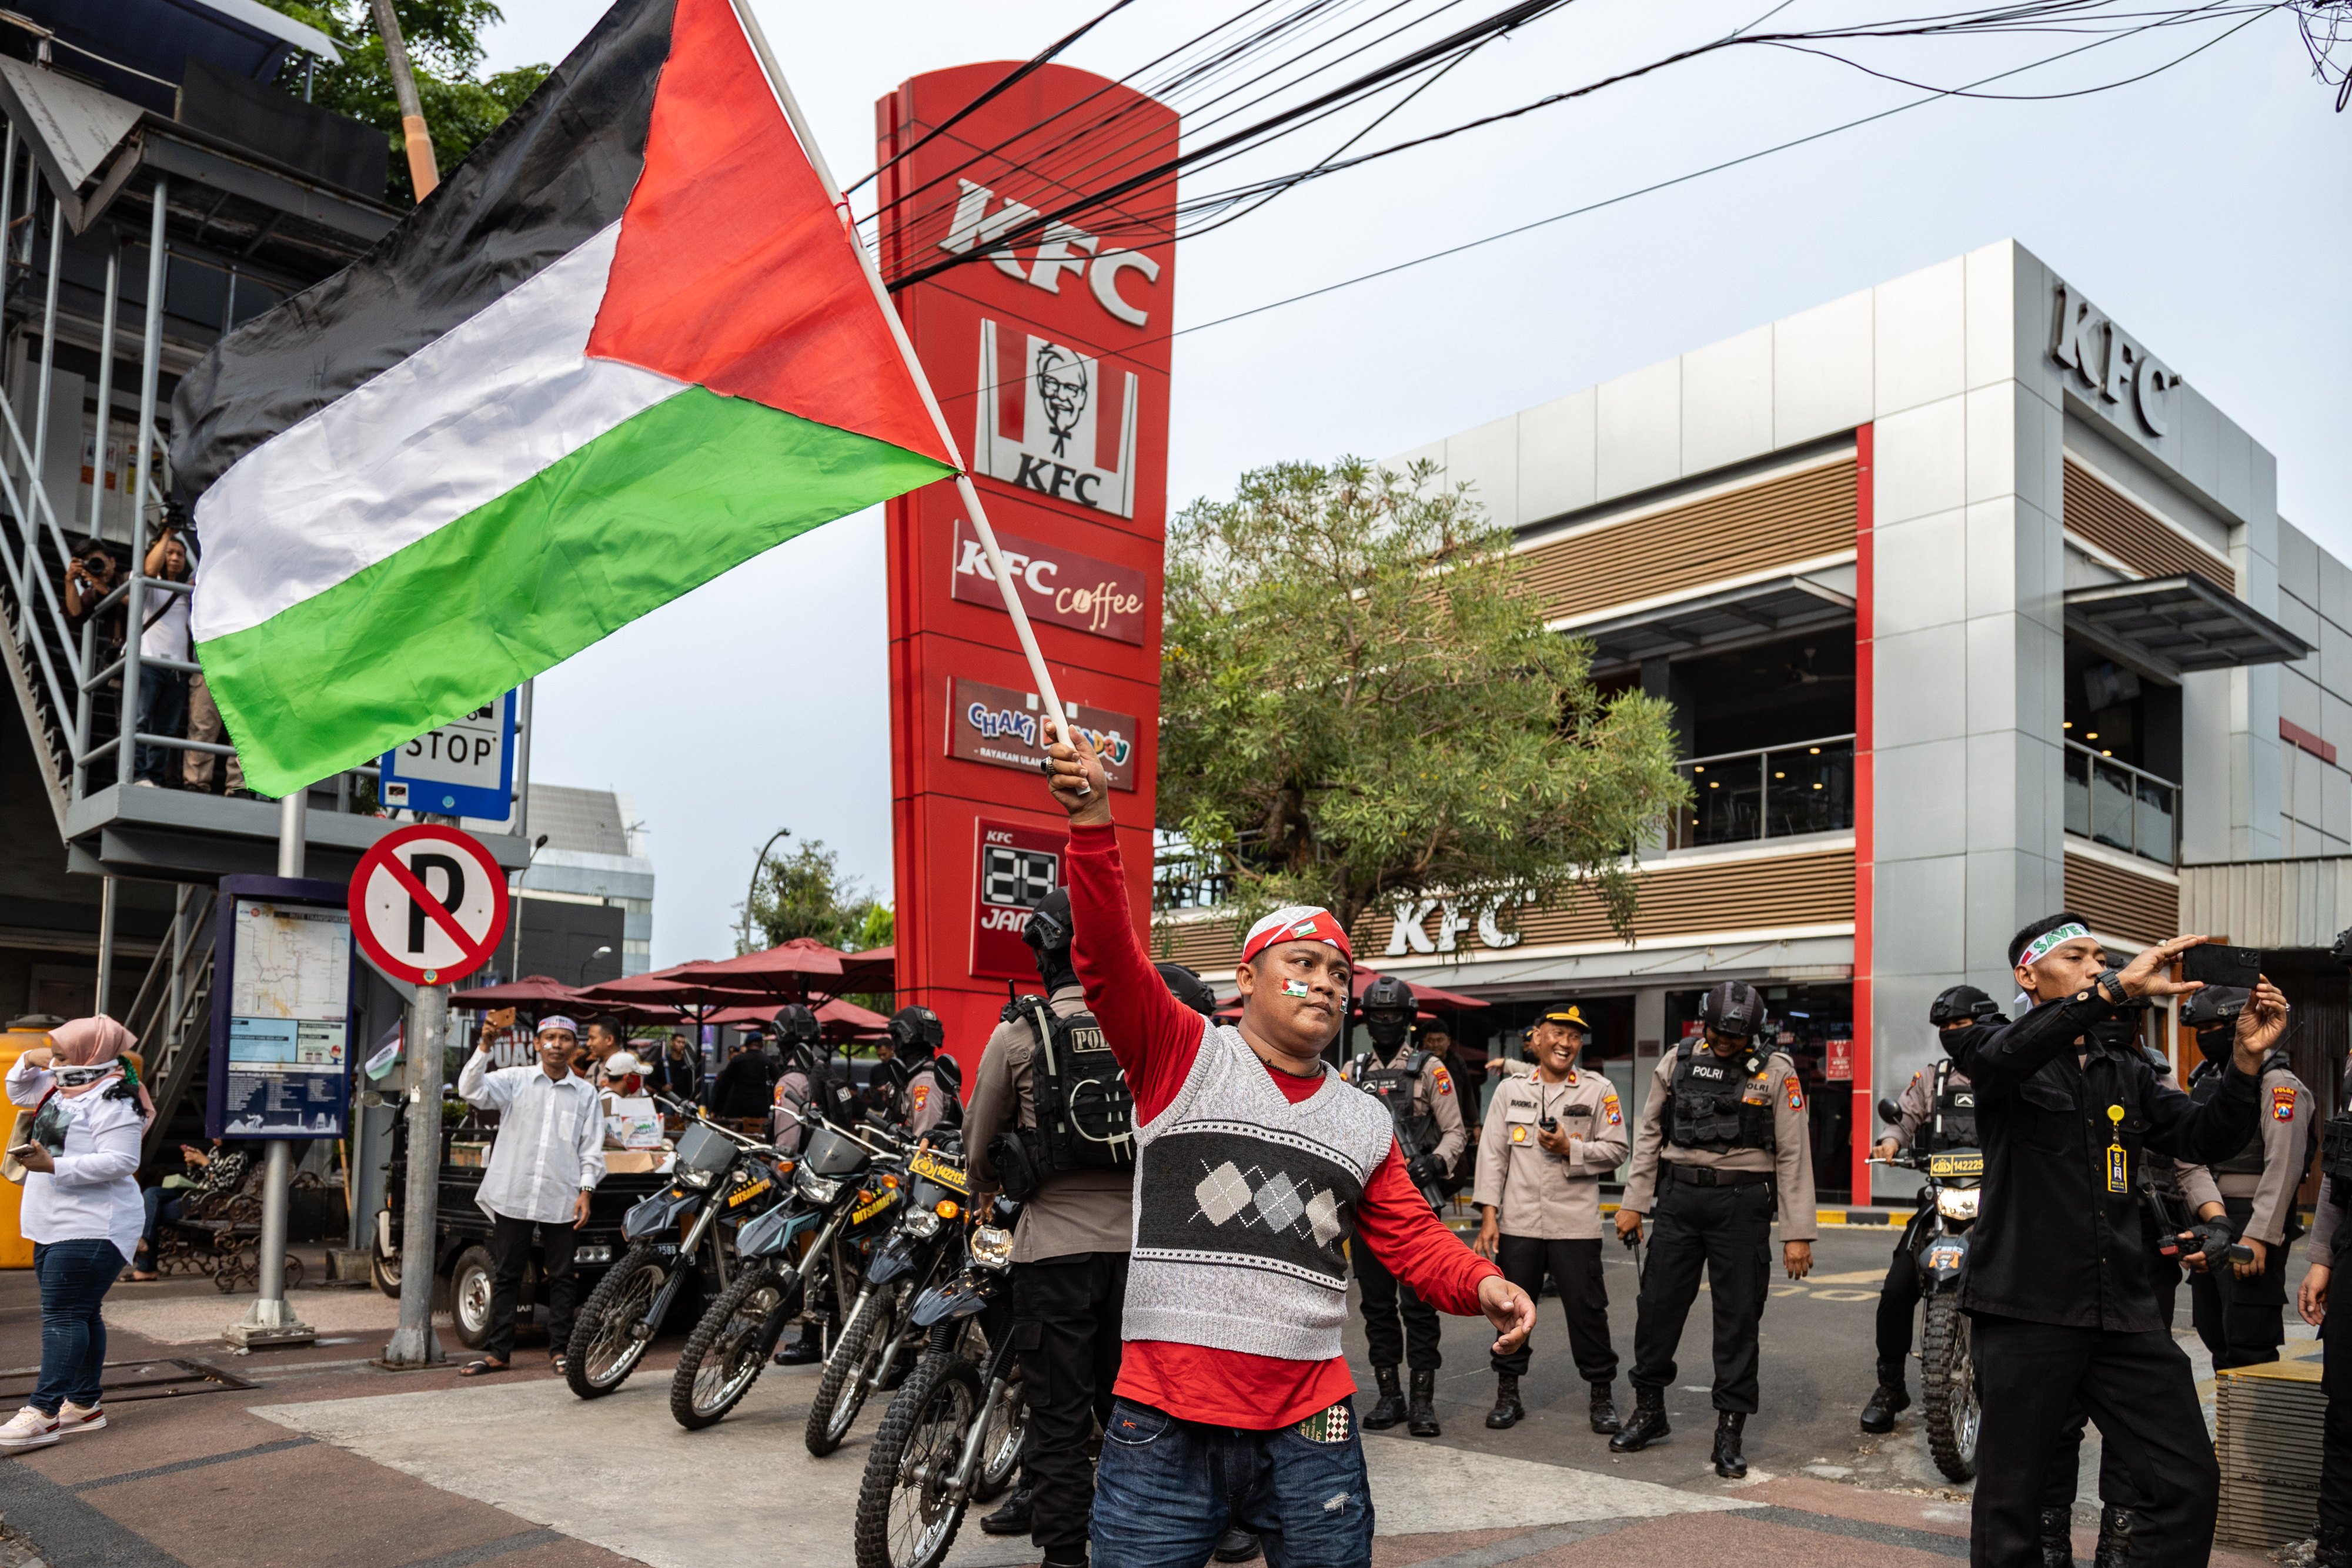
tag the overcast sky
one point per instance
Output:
(2209, 210)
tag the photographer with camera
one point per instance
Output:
(2059, 1289)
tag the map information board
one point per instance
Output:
(289, 999)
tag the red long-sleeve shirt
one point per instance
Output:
(1157, 1039)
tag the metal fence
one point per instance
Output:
(2122, 807)
(1771, 792)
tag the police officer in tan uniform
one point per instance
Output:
(1419, 1092)
(2240, 1308)
(1550, 1137)
(1723, 1129)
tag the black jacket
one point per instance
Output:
(2052, 1243)
(746, 1086)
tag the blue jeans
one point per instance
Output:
(1167, 1489)
(163, 1209)
(162, 710)
(74, 1276)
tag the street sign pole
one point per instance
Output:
(269, 1320)
(414, 1344)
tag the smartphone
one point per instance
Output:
(501, 1018)
(2219, 966)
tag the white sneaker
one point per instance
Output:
(73, 1417)
(28, 1429)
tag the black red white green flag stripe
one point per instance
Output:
(627, 345)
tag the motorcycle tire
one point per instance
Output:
(727, 1351)
(850, 1372)
(903, 1521)
(1948, 1387)
(1000, 1450)
(604, 1349)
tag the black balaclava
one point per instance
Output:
(1388, 1011)
(1048, 937)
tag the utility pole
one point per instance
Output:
(269, 1320)
(414, 1345)
(423, 173)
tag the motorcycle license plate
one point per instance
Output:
(1945, 1257)
(931, 1167)
(1957, 1164)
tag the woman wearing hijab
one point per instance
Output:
(82, 1212)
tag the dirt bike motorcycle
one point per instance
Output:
(1939, 1237)
(952, 1434)
(880, 1337)
(719, 1180)
(847, 1188)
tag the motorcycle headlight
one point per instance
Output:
(1957, 1202)
(817, 1189)
(992, 1246)
(922, 1222)
(695, 1179)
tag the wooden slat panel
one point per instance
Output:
(1814, 889)
(2122, 902)
(2126, 530)
(1799, 517)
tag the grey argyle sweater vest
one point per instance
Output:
(1241, 1200)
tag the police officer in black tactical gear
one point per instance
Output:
(1940, 1113)
(912, 1085)
(1419, 1092)
(1723, 1129)
(2059, 1290)
(2331, 1234)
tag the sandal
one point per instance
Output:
(133, 1276)
(477, 1368)
(555, 1359)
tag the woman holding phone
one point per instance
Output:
(82, 1212)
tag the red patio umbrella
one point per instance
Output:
(530, 991)
(790, 970)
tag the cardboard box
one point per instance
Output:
(633, 1162)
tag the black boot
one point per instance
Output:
(1420, 1415)
(1891, 1400)
(808, 1348)
(2334, 1548)
(1648, 1423)
(1012, 1519)
(2057, 1538)
(1388, 1408)
(1508, 1410)
(2115, 1538)
(1237, 1545)
(1604, 1408)
(1729, 1463)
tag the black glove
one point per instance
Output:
(1417, 1169)
(2210, 1236)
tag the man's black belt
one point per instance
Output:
(1710, 1176)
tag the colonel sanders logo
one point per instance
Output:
(1058, 450)
(1061, 390)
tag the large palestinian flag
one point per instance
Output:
(625, 347)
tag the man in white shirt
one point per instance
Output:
(547, 1157)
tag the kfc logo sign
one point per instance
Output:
(1058, 450)
(1057, 585)
(1410, 933)
(1060, 248)
(2117, 370)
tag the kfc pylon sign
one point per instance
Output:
(1048, 347)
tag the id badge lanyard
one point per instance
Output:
(2118, 1161)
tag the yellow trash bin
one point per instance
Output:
(15, 1252)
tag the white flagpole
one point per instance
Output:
(964, 489)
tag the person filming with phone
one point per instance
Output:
(2059, 1289)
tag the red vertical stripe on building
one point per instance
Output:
(1864, 824)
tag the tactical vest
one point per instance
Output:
(1085, 1113)
(1398, 1086)
(2248, 1160)
(2336, 1147)
(1711, 1108)
(1952, 1122)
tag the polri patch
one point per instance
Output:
(1445, 1083)
(1616, 1117)
(1796, 1095)
(2283, 1104)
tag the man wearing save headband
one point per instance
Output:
(2059, 1293)
(1234, 1403)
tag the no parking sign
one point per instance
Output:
(428, 904)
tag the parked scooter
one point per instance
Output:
(846, 1191)
(1939, 1237)
(953, 1432)
(879, 1338)
(720, 1180)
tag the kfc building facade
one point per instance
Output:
(1972, 607)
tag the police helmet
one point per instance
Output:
(1189, 989)
(796, 1025)
(2215, 1007)
(1733, 1009)
(917, 1031)
(1386, 993)
(1960, 1004)
(1048, 929)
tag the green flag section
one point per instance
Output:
(628, 346)
(580, 549)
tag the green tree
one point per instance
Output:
(805, 894)
(445, 48)
(1359, 704)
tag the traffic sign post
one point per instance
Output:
(428, 905)
(465, 768)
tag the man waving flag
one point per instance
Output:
(628, 345)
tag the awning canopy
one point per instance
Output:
(1791, 603)
(2171, 626)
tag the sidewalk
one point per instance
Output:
(325, 1461)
